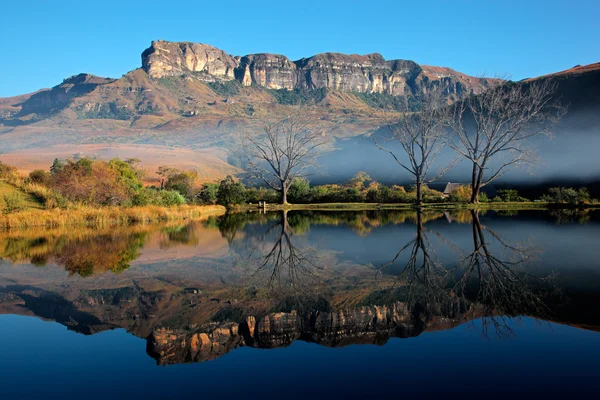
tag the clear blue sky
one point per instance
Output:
(44, 41)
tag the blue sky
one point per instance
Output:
(44, 41)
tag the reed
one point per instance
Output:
(106, 216)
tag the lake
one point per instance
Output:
(306, 303)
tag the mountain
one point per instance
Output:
(186, 100)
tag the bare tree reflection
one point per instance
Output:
(492, 281)
(273, 259)
(500, 284)
(423, 277)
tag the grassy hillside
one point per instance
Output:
(26, 200)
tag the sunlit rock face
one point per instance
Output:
(372, 324)
(172, 59)
(272, 71)
(369, 73)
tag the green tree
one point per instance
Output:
(208, 193)
(230, 192)
(57, 165)
(299, 190)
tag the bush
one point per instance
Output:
(510, 195)
(13, 202)
(39, 176)
(462, 194)
(227, 88)
(169, 198)
(299, 190)
(208, 193)
(254, 195)
(7, 171)
(567, 195)
(298, 96)
(182, 182)
(230, 192)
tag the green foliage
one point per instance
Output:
(154, 197)
(208, 193)
(128, 174)
(182, 182)
(567, 195)
(13, 202)
(298, 96)
(510, 195)
(169, 198)
(57, 165)
(226, 88)
(299, 190)
(254, 195)
(230, 192)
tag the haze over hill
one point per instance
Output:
(183, 104)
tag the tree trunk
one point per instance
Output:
(419, 200)
(474, 188)
(284, 190)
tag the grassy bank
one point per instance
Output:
(105, 216)
(405, 206)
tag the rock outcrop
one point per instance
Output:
(372, 324)
(349, 73)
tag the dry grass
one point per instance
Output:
(106, 216)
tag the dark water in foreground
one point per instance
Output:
(321, 303)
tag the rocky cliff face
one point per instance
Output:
(373, 324)
(349, 73)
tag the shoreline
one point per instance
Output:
(106, 216)
(407, 206)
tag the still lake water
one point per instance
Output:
(305, 303)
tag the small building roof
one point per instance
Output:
(451, 187)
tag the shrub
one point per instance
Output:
(298, 96)
(182, 182)
(230, 192)
(510, 195)
(92, 182)
(208, 193)
(7, 171)
(169, 198)
(462, 194)
(227, 88)
(567, 195)
(39, 176)
(13, 202)
(299, 190)
(254, 195)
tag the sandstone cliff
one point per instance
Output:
(349, 73)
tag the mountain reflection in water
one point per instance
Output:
(198, 291)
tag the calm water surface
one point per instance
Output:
(319, 303)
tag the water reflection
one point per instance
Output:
(334, 278)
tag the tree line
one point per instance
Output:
(492, 131)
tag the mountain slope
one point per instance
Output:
(190, 97)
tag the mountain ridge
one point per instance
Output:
(203, 96)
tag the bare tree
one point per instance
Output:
(420, 134)
(496, 125)
(285, 149)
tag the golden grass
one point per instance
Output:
(106, 216)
